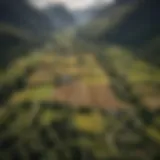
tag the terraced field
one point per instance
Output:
(65, 102)
(143, 77)
(79, 82)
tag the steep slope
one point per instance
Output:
(139, 30)
(13, 42)
(138, 26)
(129, 24)
(22, 15)
(84, 16)
(21, 28)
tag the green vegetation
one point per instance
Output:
(94, 30)
(34, 126)
(135, 70)
(91, 123)
(33, 94)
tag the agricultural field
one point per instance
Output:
(67, 104)
(142, 76)
(66, 79)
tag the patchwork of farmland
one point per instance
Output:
(78, 81)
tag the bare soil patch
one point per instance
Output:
(79, 94)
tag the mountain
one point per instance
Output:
(21, 14)
(13, 43)
(138, 27)
(125, 1)
(60, 16)
(131, 24)
(84, 16)
(21, 27)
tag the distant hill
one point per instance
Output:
(125, 1)
(60, 16)
(83, 16)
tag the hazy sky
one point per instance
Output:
(72, 4)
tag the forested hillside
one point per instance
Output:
(131, 24)
(22, 27)
(20, 14)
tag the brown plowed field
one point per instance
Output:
(79, 94)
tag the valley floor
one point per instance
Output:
(65, 79)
